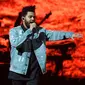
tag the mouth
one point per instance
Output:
(32, 21)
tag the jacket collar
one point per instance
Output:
(23, 27)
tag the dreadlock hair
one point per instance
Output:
(28, 8)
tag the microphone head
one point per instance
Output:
(34, 30)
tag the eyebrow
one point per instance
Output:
(31, 16)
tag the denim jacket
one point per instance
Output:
(20, 63)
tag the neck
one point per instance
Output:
(24, 25)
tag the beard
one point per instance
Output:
(27, 24)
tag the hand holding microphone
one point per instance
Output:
(33, 25)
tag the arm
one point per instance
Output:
(58, 35)
(15, 39)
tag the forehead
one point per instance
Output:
(30, 14)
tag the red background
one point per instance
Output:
(66, 56)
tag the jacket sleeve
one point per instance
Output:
(15, 39)
(58, 35)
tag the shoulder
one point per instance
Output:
(15, 28)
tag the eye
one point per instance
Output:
(31, 16)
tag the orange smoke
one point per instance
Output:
(67, 15)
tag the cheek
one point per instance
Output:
(27, 20)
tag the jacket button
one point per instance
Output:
(25, 64)
(23, 71)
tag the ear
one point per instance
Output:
(22, 18)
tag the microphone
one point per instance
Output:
(34, 30)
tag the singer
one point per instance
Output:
(28, 48)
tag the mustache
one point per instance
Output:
(32, 22)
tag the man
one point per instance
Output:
(28, 49)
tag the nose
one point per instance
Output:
(32, 18)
